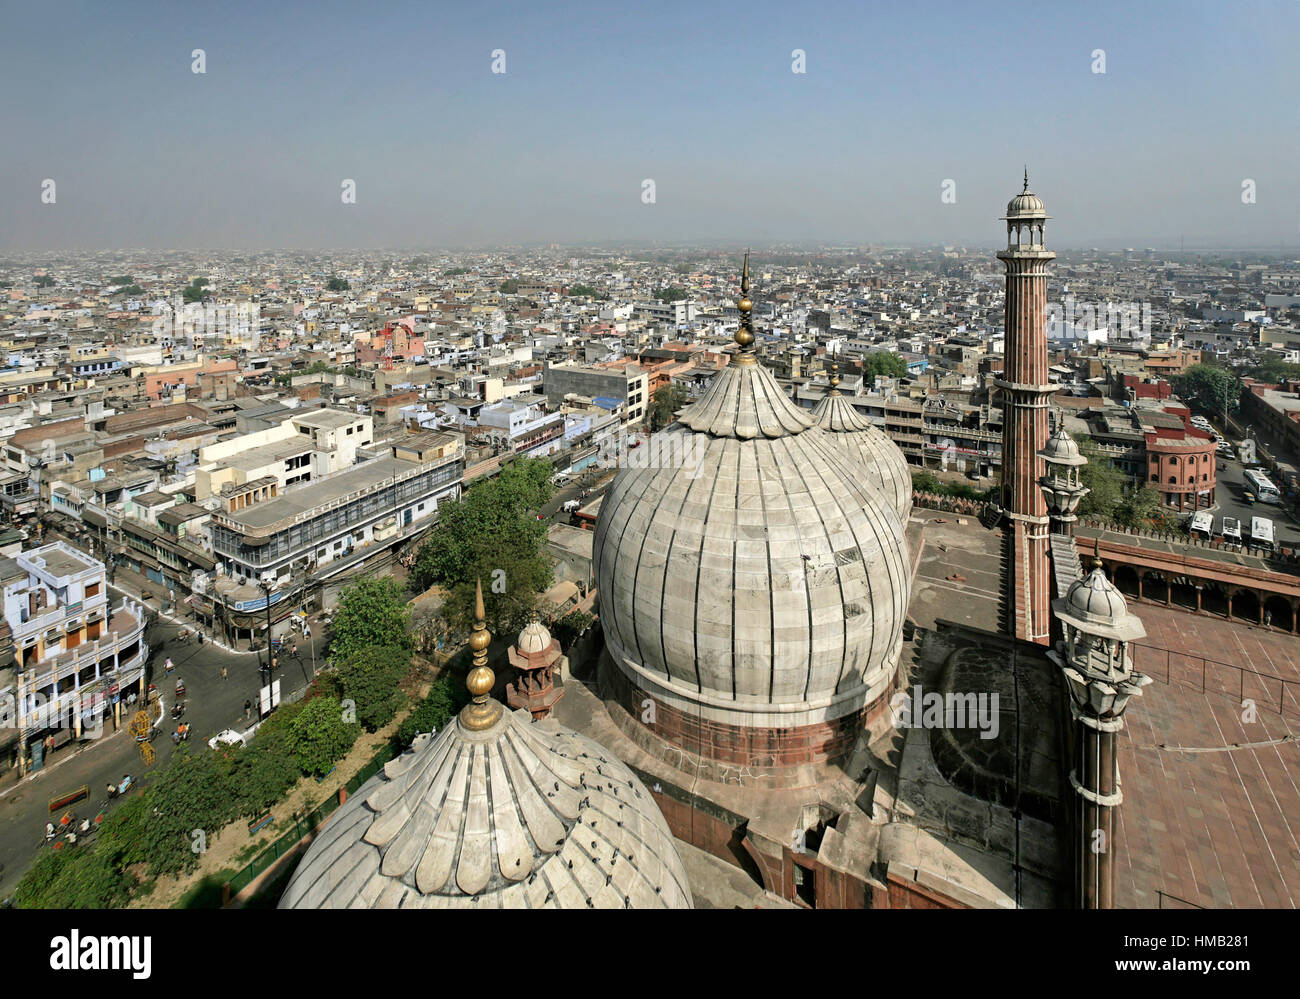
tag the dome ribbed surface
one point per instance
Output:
(520, 815)
(1062, 449)
(887, 468)
(766, 578)
(1026, 205)
(534, 638)
(1094, 598)
(744, 401)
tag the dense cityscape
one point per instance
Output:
(658, 489)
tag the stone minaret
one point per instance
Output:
(1099, 676)
(1025, 392)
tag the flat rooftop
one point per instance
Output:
(1211, 812)
(264, 454)
(321, 492)
(59, 560)
(327, 419)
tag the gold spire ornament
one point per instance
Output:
(835, 377)
(745, 332)
(483, 712)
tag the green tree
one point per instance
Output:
(1105, 481)
(925, 482)
(44, 281)
(455, 272)
(1140, 507)
(192, 293)
(491, 533)
(372, 613)
(319, 737)
(369, 678)
(263, 771)
(194, 792)
(509, 287)
(1276, 371)
(569, 627)
(1214, 389)
(122, 279)
(665, 402)
(883, 362)
(337, 284)
(78, 877)
(583, 291)
(667, 295)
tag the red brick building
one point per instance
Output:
(1180, 459)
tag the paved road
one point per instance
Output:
(1228, 495)
(212, 704)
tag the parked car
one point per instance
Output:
(226, 737)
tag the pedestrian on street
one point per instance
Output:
(248, 708)
(223, 672)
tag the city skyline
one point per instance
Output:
(860, 148)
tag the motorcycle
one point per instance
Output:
(182, 734)
(168, 666)
(178, 709)
(180, 688)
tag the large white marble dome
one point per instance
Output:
(765, 585)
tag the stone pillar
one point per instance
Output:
(1095, 779)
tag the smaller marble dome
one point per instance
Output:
(1026, 205)
(1094, 598)
(1061, 449)
(1094, 605)
(886, 466)
(495, 811)
(534, 638)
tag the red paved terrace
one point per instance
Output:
(1211, 812)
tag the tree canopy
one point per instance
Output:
(509, 287)
(1212, 388)
(319, 737)
(667, 295)
(370, 678)
(883, 362)
(337, 284)
(491, 533)
(371, 614)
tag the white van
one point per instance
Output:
(1201, 525)
(1261, 532)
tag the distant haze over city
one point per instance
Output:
(1164, 125)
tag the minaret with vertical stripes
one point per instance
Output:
(1025, 393)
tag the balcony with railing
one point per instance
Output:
(125, 627)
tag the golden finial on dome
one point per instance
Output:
(745, 332)
(483, 712)
(835, 377)
(1096, 553)
(1026, 190)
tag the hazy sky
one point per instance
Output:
(597, 97)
